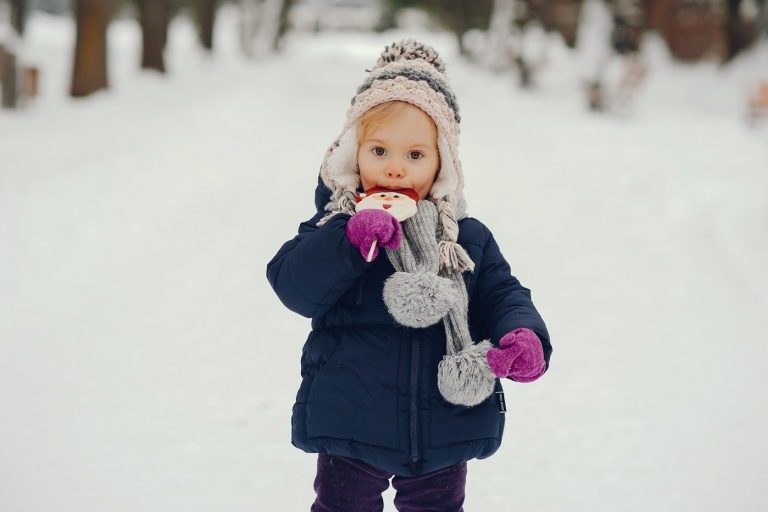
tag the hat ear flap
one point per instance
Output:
(447, 181)
(340, 165)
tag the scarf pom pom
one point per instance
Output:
(419, 299)
(465, 378)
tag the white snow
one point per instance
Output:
(146, 365)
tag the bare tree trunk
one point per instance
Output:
(502, 17)
(249, 25)
(263, 25)
(205, 13)
(19, 15)
(502, 44)
(762, 23)
(90, 67)
(461, 24)
(9, 80)
(559, 16)
(154, 16)
(282, 27)
(270, 22)
(628, 25)
(734, 38)
(461, 15)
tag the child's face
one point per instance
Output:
(401, 153)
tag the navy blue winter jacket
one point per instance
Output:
(369, 385)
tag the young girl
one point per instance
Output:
(401, 369)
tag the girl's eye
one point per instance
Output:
(415, 155)
(379, 151)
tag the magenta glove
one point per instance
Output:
(519, 356)
(368, 225)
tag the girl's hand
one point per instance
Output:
(368, 225)
(519, 356)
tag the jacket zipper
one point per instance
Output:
(414, 409)
(360, 289)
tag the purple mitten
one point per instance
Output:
(368, 225)
(519, 356)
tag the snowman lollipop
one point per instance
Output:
(401, 203)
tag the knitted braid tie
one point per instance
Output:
(453, 257)
(420, 294)
(342, 201)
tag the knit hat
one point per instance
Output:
(412, 72)
(427, 286)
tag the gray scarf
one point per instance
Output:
(420, 294)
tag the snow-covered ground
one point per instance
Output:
(146, 365)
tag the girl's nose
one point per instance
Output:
(395, 172)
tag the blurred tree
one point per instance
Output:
(458, 16)
(263, 25)
(561, 16)
(250, 19)
(8, 79)
(391, 8)
(692, 29)
(53, 6)
(701, 29)
(740, 31)
(282, 27)
(154, 17)
(205, 16)
(19, 15)
(509, 44)
(92, 18)
(628, 25)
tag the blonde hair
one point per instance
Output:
(382, 114)
(379, 116)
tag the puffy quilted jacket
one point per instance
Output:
(369, 385)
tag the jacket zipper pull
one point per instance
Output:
(416, 466)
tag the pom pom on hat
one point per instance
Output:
(409, 49)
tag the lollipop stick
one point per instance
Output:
(373, 248)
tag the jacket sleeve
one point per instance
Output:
(311, 272)
(499, 303)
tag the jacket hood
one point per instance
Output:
(322, 194)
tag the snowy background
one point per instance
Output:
(146, 365)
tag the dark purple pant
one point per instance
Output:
(350, 485)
